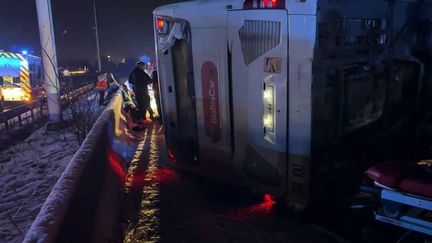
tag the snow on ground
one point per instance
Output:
(28, 171)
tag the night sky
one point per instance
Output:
(125, 27)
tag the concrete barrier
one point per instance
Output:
(83, 205)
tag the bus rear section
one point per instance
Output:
(18, 75)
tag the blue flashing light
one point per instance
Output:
(24, 52)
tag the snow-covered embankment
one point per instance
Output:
(28, 171)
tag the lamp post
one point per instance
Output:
(49, 58)
(97, 36)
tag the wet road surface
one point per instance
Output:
(165, 205)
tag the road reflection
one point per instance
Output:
(165, 205)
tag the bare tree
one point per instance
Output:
(77, 107)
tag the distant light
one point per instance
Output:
(24, 52)
(109, 57)
(123, 60)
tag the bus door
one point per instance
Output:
(258, 46)
(178, 99)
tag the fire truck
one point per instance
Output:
(20, 77)
(295, 98)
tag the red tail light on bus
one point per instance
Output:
(252, 4)
(161, 25)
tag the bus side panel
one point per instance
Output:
(212, 90)
(302, 31)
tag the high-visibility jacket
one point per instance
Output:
(102, 83)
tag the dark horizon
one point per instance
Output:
(125, 28)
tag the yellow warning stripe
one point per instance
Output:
(26, 88)
(25, 82)
(27, 95)
(27, 85)
(27, 92)
(21, 57)
(24, 69)
(6, 54)
(24, 72)
(24, 78)
(12, 55)
(9, 55)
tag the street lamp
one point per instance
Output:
(97, 35)
(49, 58)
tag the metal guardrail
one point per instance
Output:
(83, 204)
(19, 113)
(35, 109)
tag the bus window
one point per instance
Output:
(16, 80)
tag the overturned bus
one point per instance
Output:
(295, 98)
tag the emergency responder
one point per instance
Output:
(139, 80)
(155, 87)
(102, 86)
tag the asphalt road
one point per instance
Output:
(166, 205)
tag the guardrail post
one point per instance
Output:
(20, 120)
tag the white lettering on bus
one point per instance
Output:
(212, 104)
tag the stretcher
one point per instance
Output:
(405, 194)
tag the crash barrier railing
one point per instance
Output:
(18, 114)
(26, 112)
(84, 204)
